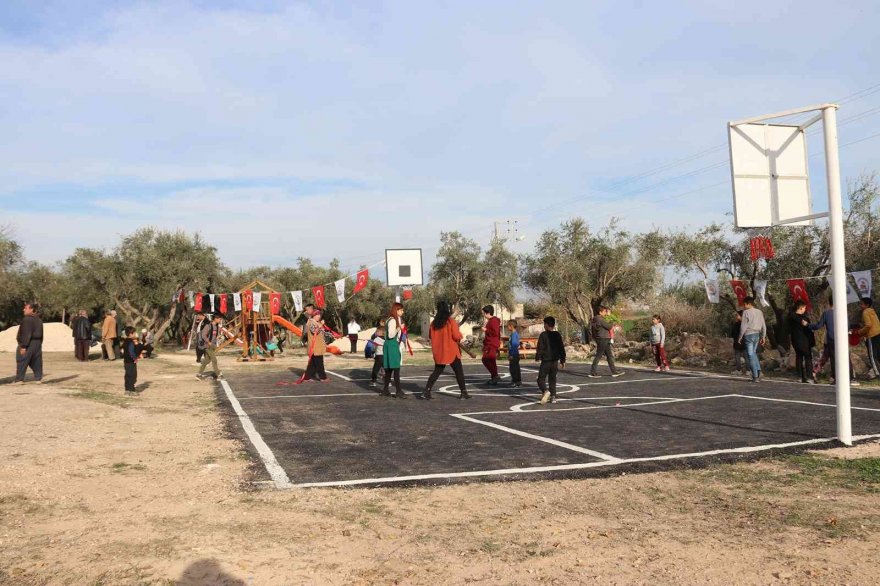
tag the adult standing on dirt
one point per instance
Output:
(445, 340)
(108, 336)
(30, 344)
(354, 329)
(82, 335)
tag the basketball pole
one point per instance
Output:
(838, 275)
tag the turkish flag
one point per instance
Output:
(798, 288)
(198, 301)
(223, 307)
(247, 300)
(362, 278)
(739, 289)
(318, 294)
(407, 294)
(275, 303)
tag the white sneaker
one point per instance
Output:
(545, 397)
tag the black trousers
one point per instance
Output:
(33, 358)
(131, 376)
(315, 368)
(354, 342)
(515, 371)
(803, 362)
(456, 368)
(81, 349)
(148, 350)
(548, 370)
(389, 373)
(873, 347)
(377, 366)
(603, 348)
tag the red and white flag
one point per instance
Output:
(247, 300)
(798, 289)
(275, 303)
(318, 294)
(363, 277)
(197, 302)
(739, 289)
(224, 307)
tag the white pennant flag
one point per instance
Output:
(257, 297)
(852, 296)
(712, 291)
(236, 301)
(863, 283)
(340, 290)
(211, 300)
(192, 298)
(761, 292)
(297, 300)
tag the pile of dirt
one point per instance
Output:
(57, 337)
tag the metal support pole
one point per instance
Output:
(838, 274)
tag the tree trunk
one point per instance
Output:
(161, 331)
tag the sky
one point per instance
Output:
(281, 130)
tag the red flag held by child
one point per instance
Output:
(318, 293)
(197, 302)
(798, 288)
(275, 303)
(739, 289)
(223, 307)
(362, 278)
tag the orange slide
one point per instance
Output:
(289, 326)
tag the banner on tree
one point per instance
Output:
(236, 301)
(712, 291)
(297, 300)
(761, 292)
(739, 289)
(363, 278)
(275, 303)
(798, 289)
(340, 290)
(257, 297)
(318, 294)
(863, 283)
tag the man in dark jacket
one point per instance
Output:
(30, 344)
(602, 334)
(82, 335)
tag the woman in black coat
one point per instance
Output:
(802, 340)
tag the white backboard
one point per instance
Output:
(771, 181)
(403, 267)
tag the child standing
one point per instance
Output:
(513, 355)
(131, 353)
(551, 355)
(378, 341)
(658, 342)
(491, 343)
(603, 334)
(739, 349)
(317, 346)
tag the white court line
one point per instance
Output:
(306, 396)
(539, 438)
(803, 402)
(564, 467)
(661, 402)
(276, 472)
(342, 376)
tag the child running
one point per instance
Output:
(658, 343)
(551, 356)
(513, 355)
(445, 340)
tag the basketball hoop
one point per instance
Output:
(761, 247)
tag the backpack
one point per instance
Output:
(370, 349)
(200, 341)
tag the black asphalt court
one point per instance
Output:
(343, 433)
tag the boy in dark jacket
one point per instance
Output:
(802, 340)
(131, 353)
(551, 355)
(602, 334)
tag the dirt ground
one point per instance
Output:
(99, 488)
